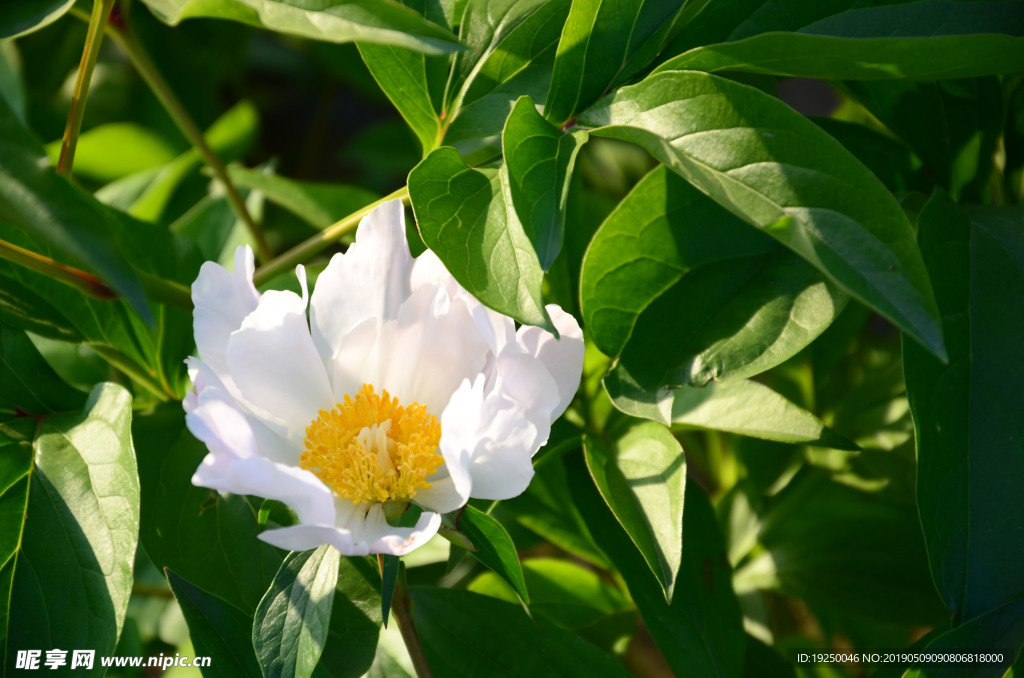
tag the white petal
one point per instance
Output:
(562, 357)
(491, 431)
(431, 347)
(356, 361)
(276, 367)
(371, 280)
(497, 329)
(357, 535)
(222, 300)
(234, 464)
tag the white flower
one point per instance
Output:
(400, 388)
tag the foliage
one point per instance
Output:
(792, 231)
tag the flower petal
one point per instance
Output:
(431, 347)
(370, 280)
(490, 430)
(222, 300)
(275, 365)
(563, 357)
(234, 464)
(357, 534)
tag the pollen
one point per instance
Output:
(371, 449)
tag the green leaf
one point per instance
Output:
(24, 309)
(34, 198)
(539, 160)
(218, 629)
(27, 382)
(15, 479)
(138, 148)
(604, 43)
(642, 477)
(700, 633)
(889, 159)
(967, 416)
(389, 580)
(569, 595)
(378, 21)
(935, 39)
(467, 634)
(318, 204)
(745, 408)
(355, 621)
(465, 216)
(769, 165)
(1000, 630)
(291, 623)
(494, 547)
(818, 532)
(208, 539)
(73, 568)
(542, 510)
(412, 81)
(685, 293)
(511, 51)
(26, 16)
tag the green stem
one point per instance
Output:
(401, 608)
(93, 39)
(128, 43)
(86, 283)
(302, 252)
(129, 367)
(157, 289)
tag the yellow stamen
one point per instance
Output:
(371, 449)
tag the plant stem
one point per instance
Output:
(129, 44)
(93, 39)
(130, 368)
(86, 283)
(302, 252)
(400, 606)
(157, 289)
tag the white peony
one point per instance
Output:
(400, 388)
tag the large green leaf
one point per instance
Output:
(467, 634)
(700, 633)
(745, 408)
(355, 621)
(967, 414)
(218, 629)
(73, 569)
(856, 558)
(999, 631)
(539, 159)
(494, 547)
(684, 292)
(25, 16)
(511, 51)
(603, 43)
(208, 539)
(15, 479)
(465, 216)
(642, 477)
(766, 163)
(291, 623)
(27, 382)
(378, 21)
(318, 204)
(542, 510)
(935, 39)
(34, 198)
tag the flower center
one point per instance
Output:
(371, 449)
